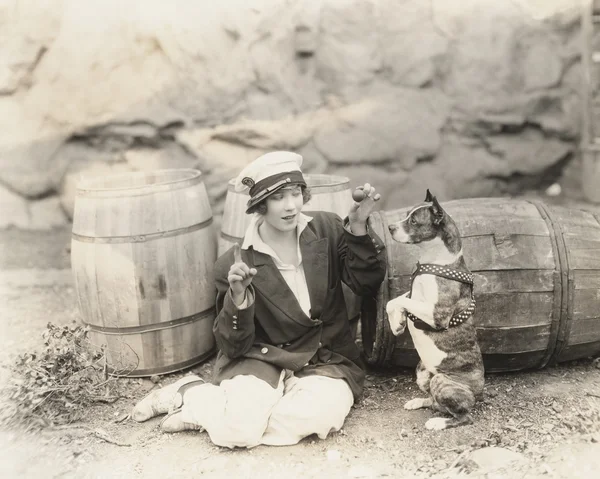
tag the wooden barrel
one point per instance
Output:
(329, 193)
(142, 252)
(537, 283)
(590, 179)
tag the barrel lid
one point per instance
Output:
(138, 180)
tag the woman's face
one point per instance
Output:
(283, 208)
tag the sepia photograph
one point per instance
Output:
(300, 239)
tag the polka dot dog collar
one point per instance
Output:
(448, 273)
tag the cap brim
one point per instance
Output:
(254, 201)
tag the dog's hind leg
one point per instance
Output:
(423, 378)
(450, 397)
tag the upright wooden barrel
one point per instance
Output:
(142, 252)
(329, 193)
(537, 283)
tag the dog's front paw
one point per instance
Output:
(436, 423)
(395, 304)
(397, 320)
(396, 316)
(417, 403)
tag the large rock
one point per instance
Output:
(28, 144)
(14, 209)
(465, 96)
(46, 214)
(27, 29)
(41, 214)
(500, 57)
(411, 44)
(493, 166)
(528, 153)
(349, 53)
(400, 125)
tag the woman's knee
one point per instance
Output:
(246, 408)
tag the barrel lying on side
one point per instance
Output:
(143, 251)
(537, 283)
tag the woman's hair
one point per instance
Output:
(261, 207)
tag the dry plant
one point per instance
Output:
(55, 386)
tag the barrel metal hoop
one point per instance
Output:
(231, 239)
(560, 326)
(147, 328)
(165, 369)
(141, 238)
(329, 188)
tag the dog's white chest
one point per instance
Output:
(425, 289)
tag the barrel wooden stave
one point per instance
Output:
(581, 235)
(522, 315)
(142, 259)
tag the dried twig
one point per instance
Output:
(458, 459)
(587, 393)
(99, 433)
(105, 437)
(107, 400)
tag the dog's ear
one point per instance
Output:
(438, 211)
(428, 196)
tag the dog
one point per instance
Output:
(438, 309)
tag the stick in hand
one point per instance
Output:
(240, 275)
(237, 253)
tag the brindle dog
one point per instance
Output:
(439, 312)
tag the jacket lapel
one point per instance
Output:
(274, 289)
(316, 269)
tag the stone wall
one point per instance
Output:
(467, 97)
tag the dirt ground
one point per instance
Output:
(550, 417)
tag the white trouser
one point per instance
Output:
(246, 411)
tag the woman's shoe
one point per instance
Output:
(173, 422)
(159, 401)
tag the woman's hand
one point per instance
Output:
(360, 210)
(239, 276)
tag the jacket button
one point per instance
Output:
(234, 317)
(320, 345)
(264, 350)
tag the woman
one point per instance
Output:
(287, 366)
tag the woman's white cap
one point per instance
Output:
(268, 173)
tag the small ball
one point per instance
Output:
(358, 195)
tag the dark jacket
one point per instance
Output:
(274, 333)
